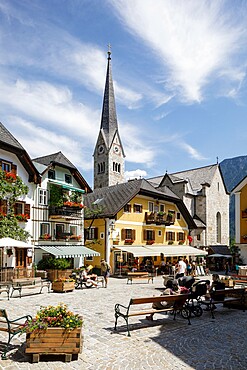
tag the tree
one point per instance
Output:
(11, 189)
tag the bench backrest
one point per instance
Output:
(137, 273)
(26, 281)
(178, 298)
(222, 293)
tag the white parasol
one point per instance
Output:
(9, 242)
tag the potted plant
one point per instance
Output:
(63, 285)
(54, 330)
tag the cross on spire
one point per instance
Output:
(109, 51)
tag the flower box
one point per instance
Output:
(58, 341)
(63, 286)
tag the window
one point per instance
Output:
(170, 236)
(102, 235)
(127, 208)
(101, 167)
(180, 237)
(45, 230)
(162, 208)
(218, 227)
(68, 178)
(22, 208)
(52, 174)
(198, 237)
(128, 234)
(151, 206)
(149, 235)
(178, 216)
(73, 230)
(19, 208)
(6, 166)
(92, 233)
(159, 233)
(137, 208)
(89, 258)
(43, 197)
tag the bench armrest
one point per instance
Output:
(27, 317)
(118, 307)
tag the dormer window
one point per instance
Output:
(68, 179)
(52, 174)
(6, 166)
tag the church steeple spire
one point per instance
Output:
(109, 116)
(108, 154)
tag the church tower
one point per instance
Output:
(108, 153)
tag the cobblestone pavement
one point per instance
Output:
(162, 344)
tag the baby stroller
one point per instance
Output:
(197, 291)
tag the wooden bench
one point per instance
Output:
(239, 279)
(139, 275)
(175, 303)
(225, 297)
(5, 288)
(12, 327)
(29, 283)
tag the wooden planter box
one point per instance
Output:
(58, 274)
(61, 286)
(55, 341)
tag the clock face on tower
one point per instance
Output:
(101, 149)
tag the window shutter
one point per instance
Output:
(95, 233)
(173, 236)
(123, 234)
(167, 235)
(15, 209)
(133, 233)
(153, 235)
(3, 206)
(27, 209)
(14, 168)
(145, 235)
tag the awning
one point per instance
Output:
(178, 250)
(167, 250)
(62, 251)
(138, 250)
(66, 186)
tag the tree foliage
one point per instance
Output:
(11, 189)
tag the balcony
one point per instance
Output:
(150, 217)
(160, 218)
(65, 212)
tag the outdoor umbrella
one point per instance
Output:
(9, 242)
(218, 255)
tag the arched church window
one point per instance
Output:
(218, 227)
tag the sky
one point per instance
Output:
(179, 71)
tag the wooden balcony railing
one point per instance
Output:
(64, 212)
(160, 218)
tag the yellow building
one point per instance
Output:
(134, 219)
(240, 192)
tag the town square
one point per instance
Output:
(123, 184)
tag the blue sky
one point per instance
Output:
(179, 70)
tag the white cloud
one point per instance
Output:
(135, 174)
(196, 40)
(51, 105)
(135, 146)
(39, 141)
(192, 151)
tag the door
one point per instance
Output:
(21, 255)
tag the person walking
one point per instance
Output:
(105, 270)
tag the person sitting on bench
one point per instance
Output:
(171, 289)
